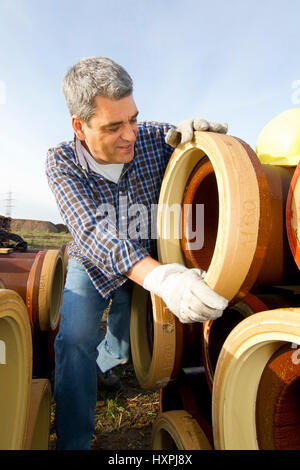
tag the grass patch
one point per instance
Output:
(45, 240)
(123, 420)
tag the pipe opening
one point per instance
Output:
(164, 440)
(201, 189)
(56, 292)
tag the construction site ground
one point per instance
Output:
(123, 421)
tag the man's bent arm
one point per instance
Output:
(141, 269)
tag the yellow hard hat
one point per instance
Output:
(279, 141)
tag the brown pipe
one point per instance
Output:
(156, 340)
(233, 177)
(278, 267)
(177, 429)
(215, 332)
(277, 401)
(240, 367)
(14, 270)
(37, 276)
(160, 343)
(272, 261)
(5, 223)
(190, 393)
(293, 216)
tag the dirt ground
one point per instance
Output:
(123, 421)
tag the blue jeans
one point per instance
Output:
(79, 347)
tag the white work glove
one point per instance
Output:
(184, 132)
(185, 293)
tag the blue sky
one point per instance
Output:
(235, 61)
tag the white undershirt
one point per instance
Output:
(112, 171)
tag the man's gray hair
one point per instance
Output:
(91, 77)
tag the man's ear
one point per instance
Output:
(77, 126)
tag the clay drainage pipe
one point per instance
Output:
(15, 370)
(160, 344)
(277, 401)
(216, 332)
(177, 429)
(241, 199)
(276, 265)
(243, 214)
(293, 215)
(231, 181)
(153, 365)
(38, 277)
(38, 428)
(240, 368)
(190, 393)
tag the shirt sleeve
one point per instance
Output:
(161, 130)
(95, 235)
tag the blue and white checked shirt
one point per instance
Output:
(99, 241)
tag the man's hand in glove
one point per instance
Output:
(185, 130)
(185, 293)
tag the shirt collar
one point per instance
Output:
(125, 167)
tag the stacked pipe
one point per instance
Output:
(5, 224)
(31, 285)
(249, 220)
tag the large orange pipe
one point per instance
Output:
(272, 261)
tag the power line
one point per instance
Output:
(9, 203)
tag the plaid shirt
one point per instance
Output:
(99, 241)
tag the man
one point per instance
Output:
(111, 160)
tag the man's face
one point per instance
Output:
(111, 133)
